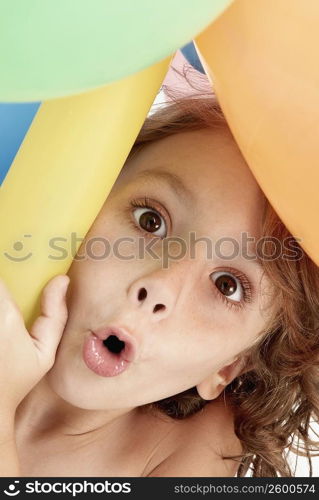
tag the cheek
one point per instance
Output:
(103, 246)
(209, 348)
(195, 352)
(107, 224)
(113, 238)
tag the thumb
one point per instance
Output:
(48, 328)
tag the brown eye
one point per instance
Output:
(227, 284)
(150, 221)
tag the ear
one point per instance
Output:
(213, 385)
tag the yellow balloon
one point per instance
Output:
(262, 58)
(61, 177)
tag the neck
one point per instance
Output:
(43, 412)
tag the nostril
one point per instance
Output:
(142, 294)
(114, 344)
(158, 307)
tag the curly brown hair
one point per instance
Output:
(274, 401)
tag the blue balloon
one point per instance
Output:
(190, 54)
(15, 120)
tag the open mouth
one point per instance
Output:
(114, 344)
(107, 352)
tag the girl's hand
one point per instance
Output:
(25, 357)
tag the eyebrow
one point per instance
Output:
(172, 180)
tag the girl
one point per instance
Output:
(169, 358)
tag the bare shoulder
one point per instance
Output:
(199, 443)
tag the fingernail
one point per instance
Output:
(66, 283)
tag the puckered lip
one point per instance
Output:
(130, 351)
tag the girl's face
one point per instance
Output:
(190, 312)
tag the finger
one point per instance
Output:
(10, 313)
(4, 291)
(48, 327)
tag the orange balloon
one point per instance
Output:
(262, 57)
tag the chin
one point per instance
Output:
(71, 392)
(73, 382)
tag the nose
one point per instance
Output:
(155, 295)
(142, 295)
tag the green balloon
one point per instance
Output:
(52, 48)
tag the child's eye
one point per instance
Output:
(234, 287)
(148, 218)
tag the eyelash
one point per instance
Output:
(244, 281)
(145, 203)
(246, 286)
